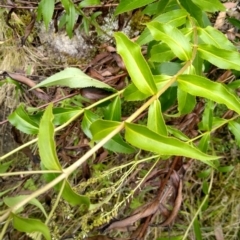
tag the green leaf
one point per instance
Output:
(4, 166)
(176, 18)
(194, 11)
(46, 8)
(73, 78)
(212, 36)
(167, 68)
(62, 115)
(136, 65)
(186, 102)
(30, 225)
(161, 53)
(68, 193)
(62, 20)
(71, 19)
(131, 93)
(235, 22)
(101, 128)
(113, 110)
(205, 173)
(162, 5)
(22, 121)
(117, 144)
(205, 187)
(219, 57)
(173, 37)
(218, 122)
(197, 229)
(74, 198)
(46, 143)
(226, 169)
(89, 3)
(156, 121)
(198, 64)
(207, 117)
(144, 138)
(168, 98)
(12, 201)
(234, 85)
(234, 127)
(66, 4)
(126, 5)
(210, 6)
(204, 143)
(203, 87)
(88, 118)
(151, 9)
(177, 133)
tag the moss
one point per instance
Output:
(138, 20)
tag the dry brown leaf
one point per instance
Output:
(106, 73)
(229, 5)
(128, 221)
(100, 58)
(27, 81)
(152, 208)
(220, 20)
(176, 207)
(225, 76)
(95, 74)
(119, 61)
(111, 49)
(93, 93)
(218, 232)
(231, 35)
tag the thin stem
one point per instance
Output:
(28, 173)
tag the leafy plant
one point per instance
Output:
(179, 35)
(72, 12)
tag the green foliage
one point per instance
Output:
(49, 159)
(220, 57)
(30, 225)
(173, 37)
(4, 166)
(143, 138)
(155, 119)
(200, 86)
(22, 121)
(136, 65)
(45, 10)
(46, 142)
(235, 129)
(207, 6)
(70, 15)
(180, 45)
(73, 78)
(126, 5)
